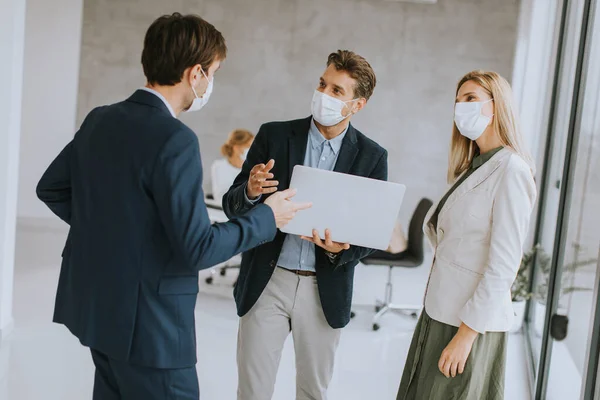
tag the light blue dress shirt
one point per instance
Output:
(298, 254)
(160, 96)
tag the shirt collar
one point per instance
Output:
(481, 159)
(317, 139)
(160, 96)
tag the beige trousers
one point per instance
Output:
(288, 303)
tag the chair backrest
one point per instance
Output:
(415, 230)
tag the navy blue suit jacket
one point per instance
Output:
(130, 186)
(286, 142)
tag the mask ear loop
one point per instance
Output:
(485, 102)
(473, 142)
(351, 111)
(195, 94)
(194, 89)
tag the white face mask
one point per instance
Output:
(244, 155)
(469, 120)
(200, 102)
(327, 110)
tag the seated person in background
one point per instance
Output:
(398, 243)
(225, 170)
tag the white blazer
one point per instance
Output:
(478, 245)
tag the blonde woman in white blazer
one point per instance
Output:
(477, 232)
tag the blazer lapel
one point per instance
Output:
(348, 152)
(474, 180)
(428, 226)
(297, 143)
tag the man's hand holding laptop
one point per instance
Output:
(328, 245)
(261, 182)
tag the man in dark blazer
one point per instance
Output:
(130, 186)
(294, 284)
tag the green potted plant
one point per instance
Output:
(541, 293)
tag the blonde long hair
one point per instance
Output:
(505, 124)
(235, 138)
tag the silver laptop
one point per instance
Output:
(357, 210)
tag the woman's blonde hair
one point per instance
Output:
(505, 123)
(236, 138)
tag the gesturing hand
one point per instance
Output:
(328, 244)
(284, 209)
(455, 355)
(260, 180)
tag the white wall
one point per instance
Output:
(52, 61)
(51, 70)
(12, 26)
(278, 49)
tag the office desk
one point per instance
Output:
(216, 216)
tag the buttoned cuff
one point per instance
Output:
(248, 201)
(333, 258)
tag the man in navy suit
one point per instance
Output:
(295, 284)
(130, 186)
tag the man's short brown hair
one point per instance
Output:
(176, 42)
(358, 68)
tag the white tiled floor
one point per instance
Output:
(42, 360)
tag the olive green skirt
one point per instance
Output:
(483, 377)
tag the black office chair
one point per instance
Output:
(410, 258)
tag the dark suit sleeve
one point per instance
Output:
(176, 186)
(54, 188)
(357, 253)
(235, 202)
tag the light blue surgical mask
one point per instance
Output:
(327, 110)
(200, 102)
(469, 120)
